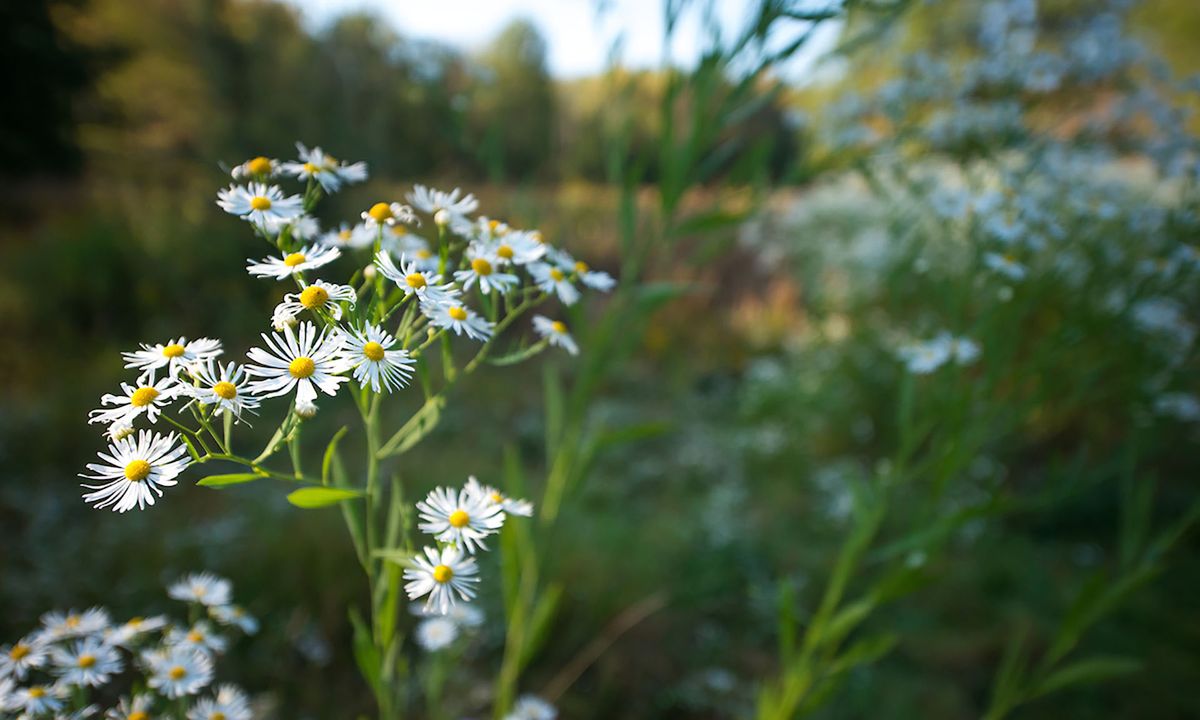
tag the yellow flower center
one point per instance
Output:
(493, 225)
(72, 621)
(302, 367)
(344, 235)
(581, 267)
(19, 651)
(138, 715)
(135, 622)
(258, 202)
(311, 169)
(37, 693)
(195, 636)
(225, 390)
(136, 471)
(143, 396)
(373, 351)
(416, 281)
(177, 673)
(556, 274)
(173, 350)
(424, 254)
(86, 661)
(399, 230)
(457, 313)
(218, 715)
(259, 166)
(505, 252)
(459, 518)
(1010, 258)
(314, 296)
(559, 326)
(497, 497)
(380, 212)
(442, 573)
(294, 259)
(481, 266)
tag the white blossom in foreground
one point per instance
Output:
(28, 653)
(86, 663)
(135, 628)
(37, 700)
(137, 708)
(148, 397)
(375, 359)
(532, 707)
(229, 703)
(281, 268)
(307, 361)
(460, 517)
(436, 633)
(448, 208)
(261, 204)
(453, 315)
(493, 495)
(135, 470)
(224, 387)
(177, 671)
(412, 279)
(320, 295)
(552, 279)
(555, 332)
(175, 355)
(61, 625)
(204, 588)
(440, 575)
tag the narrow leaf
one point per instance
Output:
(318, 497)
(220, 481)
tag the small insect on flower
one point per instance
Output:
(204, 588)
(532, 707)
(135, 628)
(555, 332)
(482, 269)
(284, 266)
(441, 574)
(436, 633)
(448, 208)
(37, 700)
(198, 637)
(28, 653)
(552, 279)
(511, 506)
(259, 168)
(319, 295)
(412, 279)
(453, 315)
(135, 470)
(261, 204)
(223, 387)
(148, 397)
(382, 214)
(371, 352)
(62, 625)
(229, 703)
(175, 355)
(359, 236)
(86, 663)
(1005, 265)
(236, 616)
(307, 361)
(177, 671)
(460, 517)
(327, 170)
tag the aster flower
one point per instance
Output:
(447, 208)
(135, 470)
(493, 495)
(223, 387)
(62, 625)
(595, 279)
(259, 168)
(260, 204)
(482, 269)
(555, 332)
(137, 708)
(532, 707)
(281, 268)
(399, 240)
(329, 172)
(148, 397)
(436, 633)
(304, 228)
(1005, 265)
(381, 214)
(204, 588)
(358, 236)
(462, 614)
(229, 703)
(175, 355)
(135, 628)
(86, 663)
(307, 362)
(453, 315)
(236, 616)
(375, 359)
(318, 295)
(460, 517)
(923, 358)
(28, 653)
(441, 574)
(198, 637)
(411, 279)
(37, 700)
(177, 671)
(518, 247)
(552, 279)
(119, 430)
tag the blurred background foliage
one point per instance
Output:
(770, 373)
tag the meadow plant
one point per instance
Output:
(389, 332)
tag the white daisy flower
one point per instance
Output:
(236, 616)
(260, 204)
(412, 279)
(483, 269)
(224, 387)
(149, 397)
(175, 355)
(135, 470)
(230, 703)
(552, 279)
(177, 671)
(524, 508)
(447, 208)
(518, 247)
(204, 588)
(381, 214)
(441, 574)
(359, 236)
(135, 628)
(532, 707)
(555, 332)
(137, 708)
(923, 358)
(86, 663)
(594, 279)
(37, 700)
(436, 633)
(259, 168)
(453, 315)
(306, 362)
(62, 625)
(283, 267)
(26, 654)
(462, 614)
(319, 295)
(327, 170)
(1005, 265)
(460, 517)
(304, 228)
(370, 353)
(964, 351)
(198, 637)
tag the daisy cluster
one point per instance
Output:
(404, 292)
(76, 659)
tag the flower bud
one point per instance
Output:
(442, 218)
(119, 431)
(306, 409)
(369, 272)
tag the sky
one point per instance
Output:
(578, 37)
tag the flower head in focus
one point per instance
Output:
(284, 266)
(261, 204)
(441, 575)
(135, 471)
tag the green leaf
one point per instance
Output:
(555, 407)
(540, 621)
(220, 481)
(365, 653)
(417, 427)
(519, 355)
(864, 652)
(1088, 670)
(631, 433)
(330, 451)
(319, 497)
